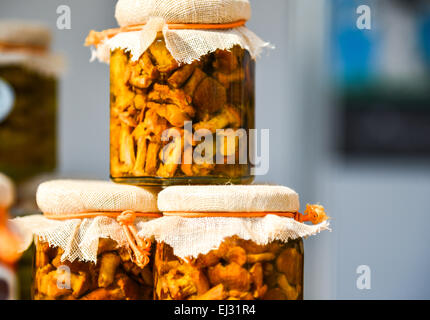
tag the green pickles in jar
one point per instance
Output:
(28, 128)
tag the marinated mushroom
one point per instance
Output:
(155, 94)
(228, 273)
(114, 277)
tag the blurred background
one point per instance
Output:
(349, 115)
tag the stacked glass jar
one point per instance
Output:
(182, 92)
(182, 110)
(229, 243)
(181, 124)
(86, 248)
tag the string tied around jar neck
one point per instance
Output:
(6, 47)
(141, 248)
(314, 213)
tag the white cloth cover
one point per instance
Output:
(25, 33)
(190, 237)
(134, 12)
(185, 46)
(65, 197)
(229, 198)
(50, 65)
(79, 237)
(32, 34)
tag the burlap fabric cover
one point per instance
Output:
(190, 237)
(30, 34)
(185, 46)
(79, 237)
(7, 192)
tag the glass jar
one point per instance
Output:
(237, 270)
(28, 104)
(114, 277)
(28, 130)
(25, 273)
(181, 124)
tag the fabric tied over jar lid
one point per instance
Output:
(78, 213)
(132, 12)
(27, 44)
(25, 34)
(191, 28)
(252, 198)
(198, 218)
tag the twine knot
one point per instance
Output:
(141, 248)
(315, 213)
(126, 218)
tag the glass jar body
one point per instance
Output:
(238, 270)
(28, 130)
(181, 124)
(114, 277)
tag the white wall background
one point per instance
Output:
(380, 210)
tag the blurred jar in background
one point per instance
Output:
(28, 102)
(8, 243)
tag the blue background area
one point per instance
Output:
(425, 38)
(353, 50)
